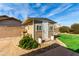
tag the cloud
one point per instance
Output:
(44, 8)
(14, 10)
(62, 8)
(22, 11)
(69, 18)
(38, 4)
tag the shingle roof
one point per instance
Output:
(4, 17)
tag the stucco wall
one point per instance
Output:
(56, 28)
(10, 31)
(38, 34)
(50, 33)
(29, 29)
(10, 28)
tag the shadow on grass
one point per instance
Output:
(41, 50)
(77, 51)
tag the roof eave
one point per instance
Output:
(29, 20)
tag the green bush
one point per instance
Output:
(64, 29)
(75, 28)
(27, 42)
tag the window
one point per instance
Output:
(39, 27)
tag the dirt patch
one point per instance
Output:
(9, 46)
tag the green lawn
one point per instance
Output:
(71, 40)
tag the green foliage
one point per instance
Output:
(27, 42)
(64, 29)
(75, 28)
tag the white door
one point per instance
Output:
(45, 30)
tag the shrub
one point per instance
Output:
(75, 28)
(64, 29)
(27, 42)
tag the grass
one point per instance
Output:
(71, 40)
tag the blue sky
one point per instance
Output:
(62, 13)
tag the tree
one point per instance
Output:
(64, 29)
(75, 28)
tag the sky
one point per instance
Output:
(63, 13)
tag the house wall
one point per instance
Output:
(10, 31)
(50, 33)
(45, 34)
(29, 29)
(56, 28)
(10, 28)
(38, 34)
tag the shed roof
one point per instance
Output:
(40, 19)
